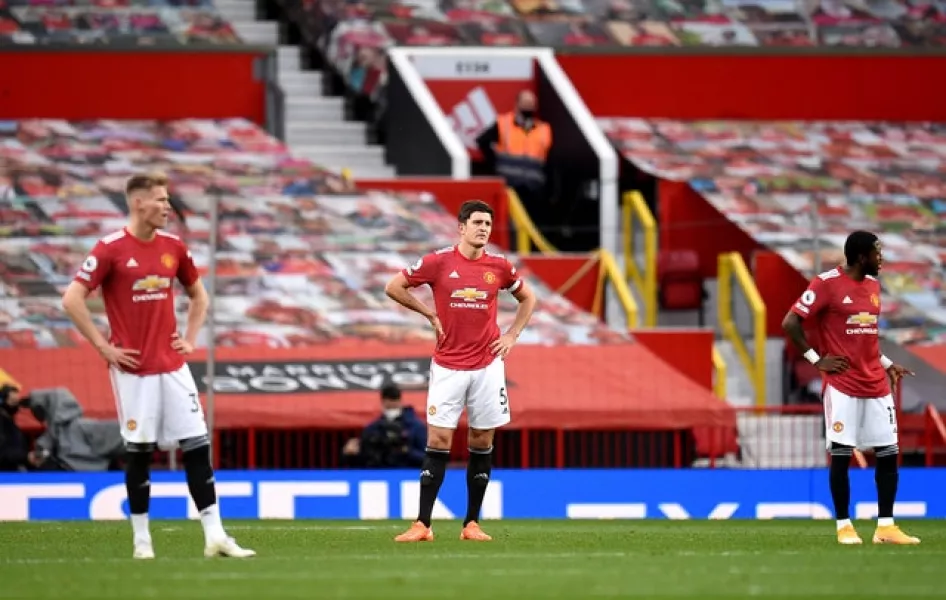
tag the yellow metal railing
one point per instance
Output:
(527, 236)
(732, 271)
(526, 233)
(719, 374)
(644, 277)
(610, 271)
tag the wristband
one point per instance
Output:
(812, 356)
(885, 362)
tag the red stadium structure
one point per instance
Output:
(302, 338)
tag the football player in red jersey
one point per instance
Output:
(844, 304)
(468, 368)
(155, 393)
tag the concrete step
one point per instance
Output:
(302, 83)
(290, 58)
(301, 132)
(243, 12)
(337, 157)
(258, 32)
(302, 108)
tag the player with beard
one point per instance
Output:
(844, 304)
(468, 368)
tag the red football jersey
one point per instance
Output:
(465, 294)
(847, 315)
(137, 281)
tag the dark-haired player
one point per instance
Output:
(154, 390)
(468, 369)
(859, 410)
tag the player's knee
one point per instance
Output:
(439, 438)
(146, 448)
(481, 439)
(194, 443)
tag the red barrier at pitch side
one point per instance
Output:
(620, 386)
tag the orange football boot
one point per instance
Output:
(417, 533)
(891, 534)
(473, 532)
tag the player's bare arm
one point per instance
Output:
(792, 325)
(399, 290)
(196, 316)
(526, 298)
(74, 304)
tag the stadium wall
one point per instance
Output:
(512, 494)
(133, 84)
(758, 83)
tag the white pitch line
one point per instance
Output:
(300, 527)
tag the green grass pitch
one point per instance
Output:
(526, 559)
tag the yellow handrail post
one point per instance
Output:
(610, 268)
(627, 228)
(719, 371)
(732, 269)
(644, 280)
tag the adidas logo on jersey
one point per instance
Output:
(131, 263)
(454, 275)
(847, 300)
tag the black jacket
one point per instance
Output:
(13, 444)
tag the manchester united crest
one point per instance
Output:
(168, 261)
(875, 300)
(838, 427)
(131, 425)
(489, 277)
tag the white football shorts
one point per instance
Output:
(859, 422)
(163, 408)
(482, 392)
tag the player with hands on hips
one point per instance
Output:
(468, 366)
(155, 394)
(844, 304)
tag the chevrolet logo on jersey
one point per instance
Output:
(469, 294)
(151, 282)
(864, 322)
(472, 298)
(154, 287)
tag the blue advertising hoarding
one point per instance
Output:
(512, 494)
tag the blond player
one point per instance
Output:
(154, 391)
(468, 369)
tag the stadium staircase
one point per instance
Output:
(315, 123)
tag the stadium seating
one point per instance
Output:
(886, 177)
(301, 266)
(353, 36)
(113, 22)
(296, 268)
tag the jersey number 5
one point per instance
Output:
(503, 400)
